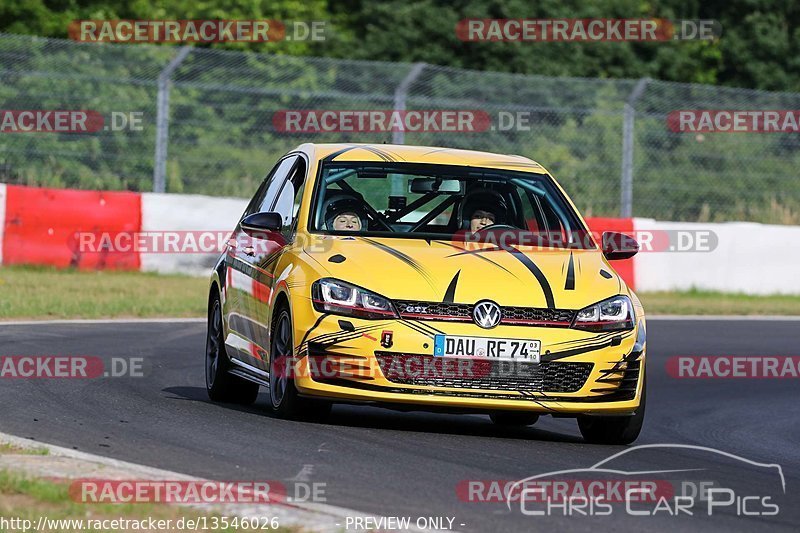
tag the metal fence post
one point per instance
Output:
(626, 183)
(400, 94)
(162, 120)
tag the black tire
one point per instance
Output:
(513, 418)
(220, 385)
(284, 398)
(613, 429)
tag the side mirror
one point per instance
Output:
(259, 225)
(619, 246)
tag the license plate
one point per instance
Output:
(486, 348)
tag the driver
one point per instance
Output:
(482, 208)
(480, 219)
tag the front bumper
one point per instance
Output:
(580, 372)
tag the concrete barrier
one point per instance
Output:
(187, 213)
(748, 258)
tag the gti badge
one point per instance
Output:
(486, 314)
(386, 338)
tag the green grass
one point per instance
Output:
(10, 449)
(46, 293)
(697, 302)
(30, 498)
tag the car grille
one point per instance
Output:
(479, 374)
(511, 315)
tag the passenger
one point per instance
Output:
(344, 212)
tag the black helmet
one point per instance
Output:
(484, 200)
(342, 202)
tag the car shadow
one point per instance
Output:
(374, 417)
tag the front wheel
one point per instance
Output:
(613, 429)
(284, 398)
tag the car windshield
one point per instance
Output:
(441, 202)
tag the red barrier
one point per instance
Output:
(624, 267)
(41, 226)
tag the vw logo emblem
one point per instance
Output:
(486, 314)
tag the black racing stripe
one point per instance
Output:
(342, 337)
(388, 156)
(538, 274)
(498, 265)
(638, 347)
(478, 251)
(425, 325)
(377, 152)
(359, 330)
(449, 296)
(599, 337)
(528, 395)
(416, 328)
(393, 155)
(589, 347)
(553, 356)
(422, 327)
(402, 257)
(569, 285)
(334, 155)
(316, 324)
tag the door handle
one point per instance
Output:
(249, 250)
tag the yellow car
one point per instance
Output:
(425, 278)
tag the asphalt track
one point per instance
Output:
(409, 464)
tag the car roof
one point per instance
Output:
(395, 153)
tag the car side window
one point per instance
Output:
(265, 196)
(288, 201)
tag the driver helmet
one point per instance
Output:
(484, 201)
(339, 203)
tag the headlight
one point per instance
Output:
(614, 314)
(341, 298)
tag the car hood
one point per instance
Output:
(453, 271)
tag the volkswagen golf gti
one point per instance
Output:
(425, 278)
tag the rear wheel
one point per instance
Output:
(511, 418)
(284, 398)
(220, 385)
(613, 429)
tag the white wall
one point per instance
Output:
(186, 212)
(749, 258)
